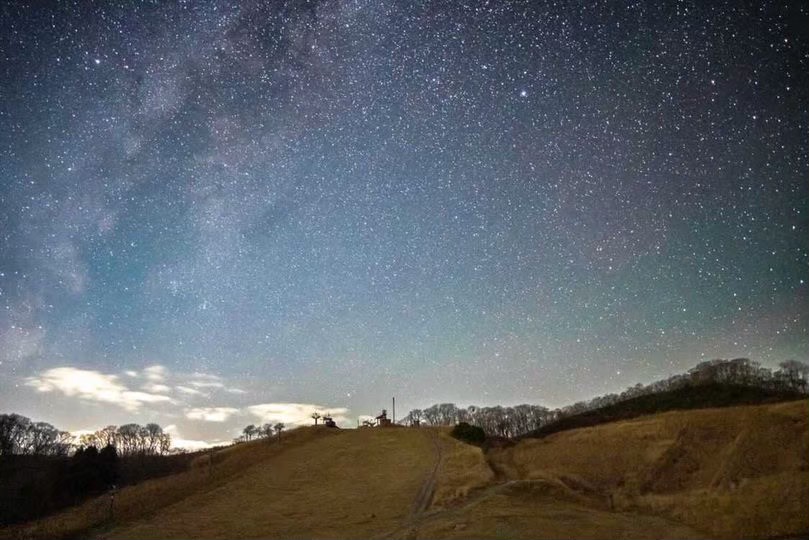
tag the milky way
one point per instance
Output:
(334, 203)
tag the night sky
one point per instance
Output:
(218, 213)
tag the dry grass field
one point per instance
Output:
(463, 470)
(134, 502)
(711, 473)
(730, 473)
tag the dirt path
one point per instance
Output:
(513, 509)
(425, 494)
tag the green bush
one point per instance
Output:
(469, 434)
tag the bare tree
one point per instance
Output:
(796, 374)
(249, 431)
(279, 427)
(43, 437)
(315, 416)
(164, 444)
(154, 435)
(89, 439)
(129, 438)
(13, 429)
(108, 436)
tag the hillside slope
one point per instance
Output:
(359, 483)
(710, 473)
(729, 472)
(702, 396)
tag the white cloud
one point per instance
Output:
(155, 373)
(206, 380)
(295, 414)
(189, 391)
(92, 386)
(177, 441)
(157, 388)
(207, 384)
(210, 414)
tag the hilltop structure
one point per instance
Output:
(382, 420)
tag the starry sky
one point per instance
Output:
(215, 213)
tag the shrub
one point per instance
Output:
(469, 434)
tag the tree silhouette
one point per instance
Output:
(316, 416)
(249, 431)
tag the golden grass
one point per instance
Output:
(535, 509)
(463, 469)
(722, 473)
(358, 484)
(740, 471)
(133, 502)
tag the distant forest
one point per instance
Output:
(20, 436)
(43, 469)
(788, 381)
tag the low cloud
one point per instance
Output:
(295, 414)
(155, 373)
(205, 380)
(177, 441)
(93, 386)
(208, 381)
(157, 388)
(189, 391)
(210, 414)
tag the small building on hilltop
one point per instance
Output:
(328, 421)
(382, 420)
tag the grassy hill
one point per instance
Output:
(709, 473)
(728, 472)
(689, 397)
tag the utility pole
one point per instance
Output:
(394, 410)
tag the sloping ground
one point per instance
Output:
(727, 473)
(695, 396)
(731, 472)
(344, 484)
(469, 503)
(133, 502)
(463, 469)
(536, 509)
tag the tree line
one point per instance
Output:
(21, 436)
(791, 377)
(130, 439)
(44, 469)
(253, 431)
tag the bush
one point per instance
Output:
(469, 434)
